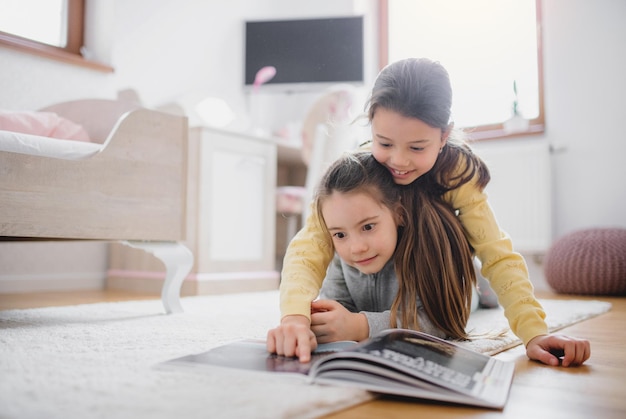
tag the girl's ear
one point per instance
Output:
(445, 134)
(400, 215)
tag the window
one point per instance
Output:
(41, 21)
(50, 28)
(491, 48)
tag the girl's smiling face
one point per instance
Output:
(406, 146)
(364, 231)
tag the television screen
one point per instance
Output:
(305, 51)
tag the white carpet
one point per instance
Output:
(559, 314)
(97, 360)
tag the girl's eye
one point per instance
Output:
(339, 235)
(417, 148)
(368, 227)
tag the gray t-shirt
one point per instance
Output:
(370, 294)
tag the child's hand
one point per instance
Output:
(292, 338)
(555, 349)
(330, 321)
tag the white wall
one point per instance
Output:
(44, 266)
(183, 51)
(585, 92)
(171, 50)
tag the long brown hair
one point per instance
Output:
(433, 260)
(433, 263)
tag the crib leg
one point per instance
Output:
(178, 261)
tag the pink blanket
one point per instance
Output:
(46, 124)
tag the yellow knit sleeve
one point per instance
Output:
(304, 267)
(505, 269)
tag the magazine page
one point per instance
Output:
(407, 358)
(252, 355)
(420, 390)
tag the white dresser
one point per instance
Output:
(231, 219)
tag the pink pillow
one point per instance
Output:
(46, 124)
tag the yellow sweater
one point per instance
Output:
(311, 251)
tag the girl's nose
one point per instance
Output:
(399, 159)
(358, 246)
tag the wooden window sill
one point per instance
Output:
(498, 132)
(53, 53)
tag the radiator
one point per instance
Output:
(520, 191)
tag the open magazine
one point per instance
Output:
(397, 362)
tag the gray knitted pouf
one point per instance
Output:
(588, 262)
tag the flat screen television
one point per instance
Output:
(307, 53)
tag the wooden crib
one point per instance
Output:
(128, 185)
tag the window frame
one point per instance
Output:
(482, 132)
(71, 52)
